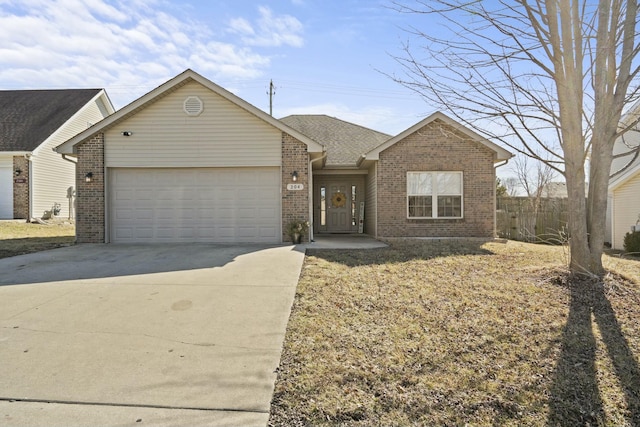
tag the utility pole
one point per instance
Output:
(271, 93)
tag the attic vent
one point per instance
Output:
(193, 106)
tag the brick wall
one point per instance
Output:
(90, 215)
(295, 204)
(21, 189)
(436, 147)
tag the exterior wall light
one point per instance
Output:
(88, 177)
(294, 176)
(18, 172)
(127, 133)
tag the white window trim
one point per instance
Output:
(435, 194)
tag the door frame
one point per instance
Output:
(320, 181)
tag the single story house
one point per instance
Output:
(624, 186)
(33, 178)
(191, 162)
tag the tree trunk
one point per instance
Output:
(578, 241)
(597, 202)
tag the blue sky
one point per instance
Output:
(324, 56)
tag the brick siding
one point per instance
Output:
(295, 204)
(21, 189)
(436, 147)
(90, 215)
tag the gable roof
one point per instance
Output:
(169, 87)
(345, 142)
(628, 144)
(29, 117)
(628, 174)
(501, 153)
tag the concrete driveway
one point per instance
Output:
(143, 335)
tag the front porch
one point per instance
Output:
(344, 241)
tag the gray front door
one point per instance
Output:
(337, 203)
(339, 208)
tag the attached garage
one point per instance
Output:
(224, 205)
(190, 162)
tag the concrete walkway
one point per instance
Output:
(344, 241)
(175, 335)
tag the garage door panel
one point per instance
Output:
(192, 205)
(207, 194)
(267, 231)
(124, 214)
(227, 194)
(267, 212)
(164, 214)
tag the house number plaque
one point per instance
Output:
(295, 187)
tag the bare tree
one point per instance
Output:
(513, 186)
(535, 178)
(549, 78)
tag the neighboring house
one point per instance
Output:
(191, 162)
(556, 190)
(624, 186)
(33, 178)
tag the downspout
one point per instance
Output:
(28, 156)
(71, 196)
(311, 223)
(495, 200)
(505, 162)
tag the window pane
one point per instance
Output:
(353, 205)
(449, 183)
(449, 206)
(419, 183)
(420, 207)
(323, 205)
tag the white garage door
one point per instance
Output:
(225, 205)
(6, 190)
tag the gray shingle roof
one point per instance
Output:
(29, 117)
(345, 142)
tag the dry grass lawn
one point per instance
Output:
(460, 333)
(18, 238)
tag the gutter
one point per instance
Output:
(502, 164)
(64, 156)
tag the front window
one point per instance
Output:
(434, 194)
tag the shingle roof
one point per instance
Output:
(29, 117)
(345, 142)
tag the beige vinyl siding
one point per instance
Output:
(51, 175)
(626, 208)
(371, 204)
(223, 135)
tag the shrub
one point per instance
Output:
(632, 242)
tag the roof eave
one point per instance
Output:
(624, 177)
(14, 153)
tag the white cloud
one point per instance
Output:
(270, 30)
(127, 46)
(241, 26)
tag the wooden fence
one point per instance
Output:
(517, 219)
